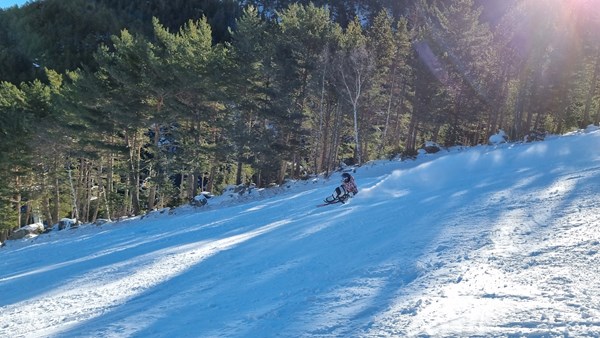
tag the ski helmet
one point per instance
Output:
(346, 177)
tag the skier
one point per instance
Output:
(344, 191)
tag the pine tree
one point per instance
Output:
(197, 66)
(355, 71)
(125, 76)
(304, 34)
(13, 131)
(251, 76)
(462, 42)
(381, 45)
(401, 88)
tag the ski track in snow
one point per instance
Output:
(535, 273)
(105, 288)
(490, 241)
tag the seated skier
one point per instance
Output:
(344, 191)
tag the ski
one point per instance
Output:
(330, 203)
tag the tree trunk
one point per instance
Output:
(387, 115)
(338, 140)
(134, 175)
(135, 185)
(320, 134)
(56, 214)
(411, 138)
(80, 191)
(597, 119)
(325, 151)
(102, 192)
(282, 171)
(45, 203)
(17, 200)
(398, 119)
(495, 120)
(87, 194)
(27, 213)
(74, 212)
(127, 208)
(238, 172)
(110, 173)
(193, 183)
(46, 210)
(524, 91)
(357, 149)
(354, 93)
(151, 198)
(562, 113)
(530, 110)
(591, 93)
(183, 195)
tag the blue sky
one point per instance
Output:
(10, 3)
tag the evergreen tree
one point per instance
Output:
(303, 37)
(355, 71)
(13, 131)
(30, 118)
(401, 89)
(197, 65)
(462, 44)
(251, 75)
(125, 73)
(381, 45)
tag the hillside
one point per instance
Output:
(485, 241)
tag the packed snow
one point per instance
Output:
(494, 240)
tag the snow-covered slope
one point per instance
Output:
(484, 241)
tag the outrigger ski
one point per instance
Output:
(324, 204)
(329, 203)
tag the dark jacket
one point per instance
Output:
(350, 186)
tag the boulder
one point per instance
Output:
(101, 221)
(498, 138)
(535, 135)
(31, 229)
(431, 147)
(67, 223)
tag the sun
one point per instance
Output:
(569, 19)
(582, 16)
(582, 8)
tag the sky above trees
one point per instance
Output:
(10, 3)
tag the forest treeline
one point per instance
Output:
(113, 107)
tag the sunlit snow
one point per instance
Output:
(493, 240)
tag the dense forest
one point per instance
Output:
(115, 107)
